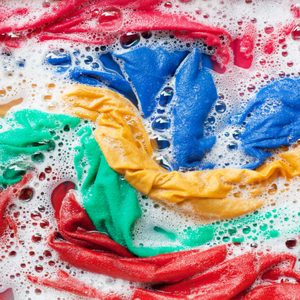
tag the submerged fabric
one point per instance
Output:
(195, 96)
(36, 133)
(128, 151)
(113, 206)
(182, 275)
(162, 81)
(149, 69)
(111, 203)
(272, 119)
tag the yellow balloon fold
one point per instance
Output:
(128, 150)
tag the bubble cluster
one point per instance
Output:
(26, 82)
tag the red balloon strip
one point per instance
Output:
(5, 198)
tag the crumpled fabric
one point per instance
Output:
(35, 132)
(109, 211)
(282, 291)
(86, 251)
(272, 119)
(5, 198)
(189, 110)
(111, 79)
(80, 21)
(112, 204)
(67, 283)
(7, 294)
(150, 70)
(195, 96)
(128, 150)
(230, 279)
(182, 275)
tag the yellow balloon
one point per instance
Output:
(126, 145)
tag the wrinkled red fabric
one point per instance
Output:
(183, 275)
(68, 283)
(243, 51)
(84, 249)
(280, 291)
(7, 295)
(10, 18)
(80, 21)
(233, 276)
(5, 197)
(226, 280)
(76, 227)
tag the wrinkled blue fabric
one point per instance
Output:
(149, 69)
(147, 74)
(271, 120)
(195, 96)
(108, 78)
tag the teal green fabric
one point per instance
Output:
(30, 132)
(111, 203)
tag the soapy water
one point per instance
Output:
(25, 78)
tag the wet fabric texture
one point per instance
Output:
(36, 133)
(128, 150)
(208, 274)
(272, 119)
(111, 203)
(174, 89)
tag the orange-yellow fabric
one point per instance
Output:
(125, 143)
(4, 108)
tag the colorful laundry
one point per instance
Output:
(80, 23)
(149, 150)
(160, 67)
(109, 200)
(227, 278)
(128, 151)
(113, 207)
(36, 133)
(259, 134)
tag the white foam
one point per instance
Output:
(41, 88)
